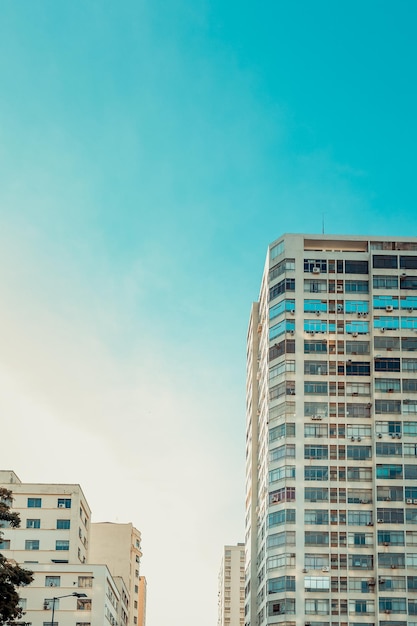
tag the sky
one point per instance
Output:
(149, 152)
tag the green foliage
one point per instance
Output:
(12, 576)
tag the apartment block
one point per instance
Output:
(331, 435)
(70, 588)
(231, 586)
(119, 547)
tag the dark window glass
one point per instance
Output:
(387, 365)
(408, 262)
(356, 267)
(385, 260)
(284, 347)
(358, 369)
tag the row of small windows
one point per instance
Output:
(407, 303)
(349, 266)
(354, 496)
(287, 429)
(34, 544)
(318, 561)
(322, 346)
(286, 606)
(36, 503)
(322, 285)
(359, 453)
(61, 524)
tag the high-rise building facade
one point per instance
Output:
(331, 441)
(231, 587)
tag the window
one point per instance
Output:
(284, 266)
(319, 472)
(387, 406)
(388, 449)
(85, 581)
(385, 282)
(387, 365)
(281, 539)
(385, 261)
(409, 344)
(383, 342)
(317, 583)
(390, 516)
(359, 518)
(61, 544)
(287, 516)
(287, 284)
(63, 524)
(283, 430)
(391, 559)
(410, 471)
(356, 286)
(408, 262)
(359, 452)
(281, 607)
(410, 428)
(286, 494)
(282, 583)
(311, 347)
(284, 451)
(315, 409)
(391, 537)
(276, 250)
(361, 561)
(52, 581)
(33, 523)
(357, 347)
(34, 503)
(316, 561)
(313, 494)
(315, 285)
(316, 538)
(315, 430)
(389, 471)
(83, 604)
(396, 605)
(388, 385)
(286, 471)
(316, 607)
(281, 328)
(409, 365)
(318, 517)
(315, 388)
(64, 503)
(4, 544)
(316, 452)
(356, 267)
(32, 544)
(281, 307)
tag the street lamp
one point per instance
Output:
(77, 595)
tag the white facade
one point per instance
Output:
(53, 541)
(231, 588)
(331, 475)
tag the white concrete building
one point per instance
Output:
(331, 441)
(53, 541)
(231, 587)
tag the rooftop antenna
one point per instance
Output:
(322, 223)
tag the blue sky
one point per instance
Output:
(149, 152)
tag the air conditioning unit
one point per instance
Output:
(352, 438)
(305, 571)
(387, 611)
(316, 270)
(354, 334)
(61, 505)
(389, 308)
(410, 310)
(292, 332)
(415, 501)
(359, 439)
(318, 313)
(339, 288)
(403, 275)
(393, 566)
(385, 543)
(398, 436)
(409, 501)
(370, 524)
(380, 521)
(292, 311)
(339, 308)
(259, 328)
(325, 569)
(382, 330)
(379, 435)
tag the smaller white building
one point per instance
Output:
(98, 601)
(231, 589)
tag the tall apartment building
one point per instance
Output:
(119, 547)
(231, 588)
(54, 541)
(331, 442)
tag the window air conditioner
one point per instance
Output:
(382, 330)
(409, 501)
(389, 308)
(380, 521)
(61, 505)
(318, 313)
(354, 334)
(316, 270)
(379, 435)
(325, 569)
(415, 501)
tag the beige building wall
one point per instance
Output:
(142, 601)
(231, 591)
(118, 546)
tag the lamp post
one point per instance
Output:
(77, 595)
